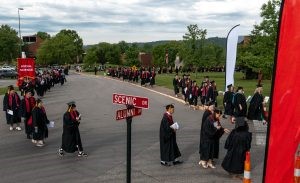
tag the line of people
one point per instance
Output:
(146, 76)
(32, 113)
(191, 92)
(234, 102)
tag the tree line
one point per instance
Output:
(66, 47)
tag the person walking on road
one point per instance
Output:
(27, 104)
(39, 122)
(169, 151)
(11, 106)
(237, 144)
(71, 140)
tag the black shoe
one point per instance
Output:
(165, 163)
(177, 162)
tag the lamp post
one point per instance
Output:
(20, 51)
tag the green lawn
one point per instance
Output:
(3, 90)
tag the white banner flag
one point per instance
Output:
(232, 40)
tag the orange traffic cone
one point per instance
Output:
(297, 167)
(247, 169)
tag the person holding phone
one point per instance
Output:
(71, 140)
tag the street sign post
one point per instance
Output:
(134, 105)
(136, 101)
(125, 113)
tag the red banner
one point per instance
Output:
(26, 68)
(284, 129)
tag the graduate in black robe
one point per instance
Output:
(71, 140)
(237, 144)
(227, 101)
(11, 106)
(27, 104)
(39, 122)
(255, 110)
(212, 132)
(239, 103)
(206, 113)
(169, 151)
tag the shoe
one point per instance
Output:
(11, 128)
(80, 154)
(163, 163)
(40, 144)
(203, 164)
(33, 141)
(177, 162)
(210, 165)
(61, 152)
(18, 128)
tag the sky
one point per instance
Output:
(130, 20)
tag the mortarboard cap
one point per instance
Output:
(213, 81)
(72, 103)
(240, 121)
(228, 86)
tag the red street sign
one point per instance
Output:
(124, 113)
(136, 101)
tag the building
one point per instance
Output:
(31, 45)
(145, 59)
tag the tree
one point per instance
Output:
(131, 55)
(77, 41)
(103, 53)
(9, 43)
(194, 43)
(258, 54)
(123, 46)
(43, 35)
(57, 50)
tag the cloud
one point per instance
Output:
(131, 20)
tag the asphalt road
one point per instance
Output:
(104, 139)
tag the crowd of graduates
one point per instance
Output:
(31, 111)
(236, 109)
(28, 109)
(146, 76)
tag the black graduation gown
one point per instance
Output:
(39, 120)
(228, 100)
(210, 139)
(237, 144)
(71, 135)
(15, 118)
(255, 111)
(169, 150)
(240, 99)
(204, 117)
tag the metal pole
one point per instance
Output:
(128, 167)
(129, 121)
(20, 41)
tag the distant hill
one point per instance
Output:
(215, 40)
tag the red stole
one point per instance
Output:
(169, 118)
